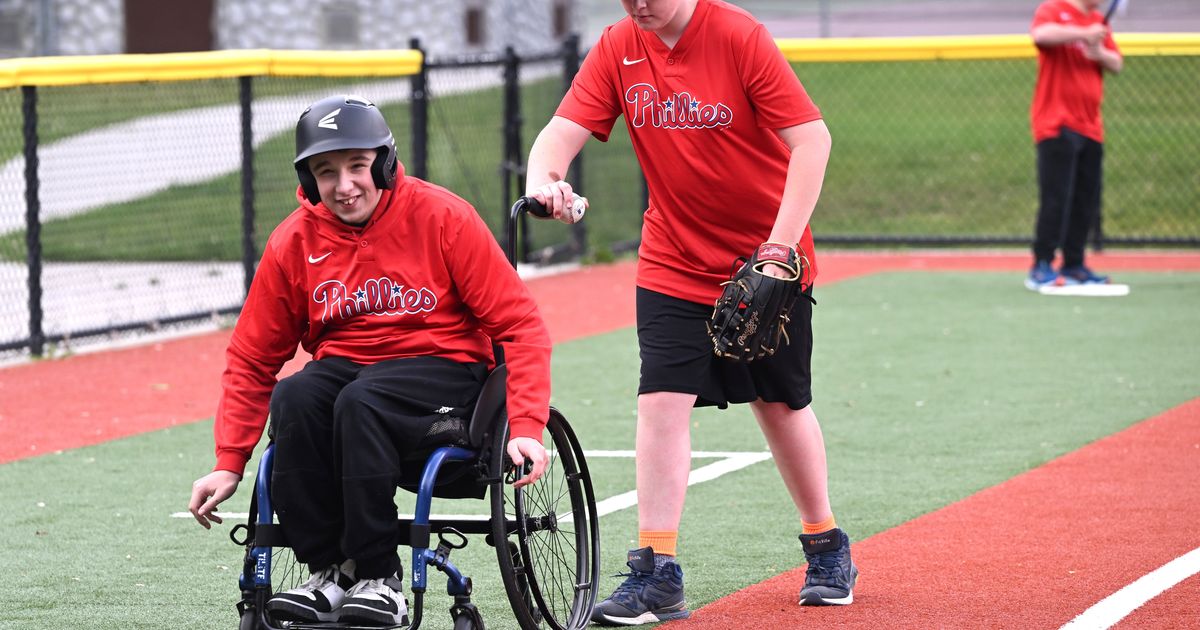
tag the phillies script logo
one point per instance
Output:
(677, 112)
(379, 297)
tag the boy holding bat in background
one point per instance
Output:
(1075, 49)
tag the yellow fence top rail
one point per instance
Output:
(206, 65)
(236, 63)
(968, 47)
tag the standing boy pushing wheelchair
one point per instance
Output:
(734, 153)
(398, 290)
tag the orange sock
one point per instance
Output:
(819, 528)
(663, 542)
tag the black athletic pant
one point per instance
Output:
(1070, 178)
(342, 432)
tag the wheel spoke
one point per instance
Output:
(555, 532)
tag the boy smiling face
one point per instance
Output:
(346, 184)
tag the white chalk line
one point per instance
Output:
(1108, 611)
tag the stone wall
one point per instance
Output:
(441, 25)
(90, 27)
(65, 27)
(95, 27)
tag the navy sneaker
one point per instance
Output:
(648, 594)
(318, 599)
(1078, 274)
(831, 573)
(1042, 275)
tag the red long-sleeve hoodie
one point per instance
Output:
(424, 277)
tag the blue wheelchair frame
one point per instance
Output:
(420, 526)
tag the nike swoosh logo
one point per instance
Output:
(626, 61)
(388, 603)
(317, 259)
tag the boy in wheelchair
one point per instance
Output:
(398, 290)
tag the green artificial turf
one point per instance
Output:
(929, 387)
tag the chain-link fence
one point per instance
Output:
(130, 205)
(908, 18)
(937, 148)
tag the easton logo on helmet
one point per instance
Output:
(329, 121)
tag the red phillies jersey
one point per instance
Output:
(424, 277)
(701, 116)
(1070, 86)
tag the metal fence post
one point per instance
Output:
(33, 223)
(249, 249)
(420, 115)
(511, 162)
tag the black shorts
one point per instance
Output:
(677, 356)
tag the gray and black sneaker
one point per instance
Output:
(377, 603)
(318, 599)
(831, 573)
(649, 594)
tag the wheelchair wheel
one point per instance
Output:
(547, 535)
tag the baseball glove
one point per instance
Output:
(749, 318)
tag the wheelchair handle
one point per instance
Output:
(523, 204)
(537, 209)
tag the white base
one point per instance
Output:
(1087, 290)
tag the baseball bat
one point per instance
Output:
(1112, 7)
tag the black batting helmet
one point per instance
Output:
(344, 122)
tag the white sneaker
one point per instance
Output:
(318, 599)
(377, 602)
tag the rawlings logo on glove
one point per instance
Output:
(749, 318)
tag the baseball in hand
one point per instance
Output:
(578, 207)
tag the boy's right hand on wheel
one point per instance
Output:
(208, 492)
(522, 449)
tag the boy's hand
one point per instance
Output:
(208, 492)
(522, 448)
(560, 200)
(1094, 34)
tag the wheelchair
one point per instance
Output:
(546, 535)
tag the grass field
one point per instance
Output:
(937, 149)
(929, 388)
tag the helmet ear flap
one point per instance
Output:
(308, 183)
(383, 169)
